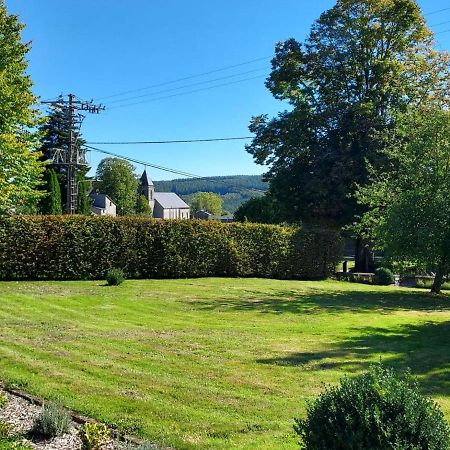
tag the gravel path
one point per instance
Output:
(20, 414)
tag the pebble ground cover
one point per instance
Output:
(213, 363)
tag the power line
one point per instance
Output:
(207, 81)
(166, 169)
(227, 68)
(144, 163)
(187, 92)
(54, 99)
(444, 31)
(436, 12)
(184, 141)
(198, 83)
(221, 69)
(439, 24)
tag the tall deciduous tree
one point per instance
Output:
(207, 201)
(119, 182)
(363, 61)
(20, 168)
(262, 209)
(409, 205)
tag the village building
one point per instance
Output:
(102, 205)
(165, 205)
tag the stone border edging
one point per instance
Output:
(77, 418)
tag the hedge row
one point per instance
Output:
(77, 247)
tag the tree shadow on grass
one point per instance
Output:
(424, 348)
(318, 301)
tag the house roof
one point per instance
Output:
(99, 200)
(169, 200)
(146, 180)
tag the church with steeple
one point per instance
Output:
(147, 189)
(164, 205)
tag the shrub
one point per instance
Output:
(93, 436)
(8, 441)
(125, 426)
(114, 277)
(384, 276)
(83, 247)
(3, 400)
(357, 278)
(5, 430)
(378, 410)
(53, 420)
(13, 444)
(422, 282)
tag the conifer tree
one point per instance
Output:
(55, 192)
(143, 207)
(51, 204)
(55, 134)
(83, 200)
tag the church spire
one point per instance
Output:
(145, 179)
(147, 189)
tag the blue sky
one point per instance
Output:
(96, 49)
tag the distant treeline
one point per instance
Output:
(234, 189)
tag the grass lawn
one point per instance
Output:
(213, 363)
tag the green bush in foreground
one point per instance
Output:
(93, 436)
(114, 277)
(53, 420)
(384, 277)
(379, 410)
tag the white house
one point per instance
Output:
(102, 205)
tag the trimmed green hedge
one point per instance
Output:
(80, 247)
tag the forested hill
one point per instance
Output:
(234, 189)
